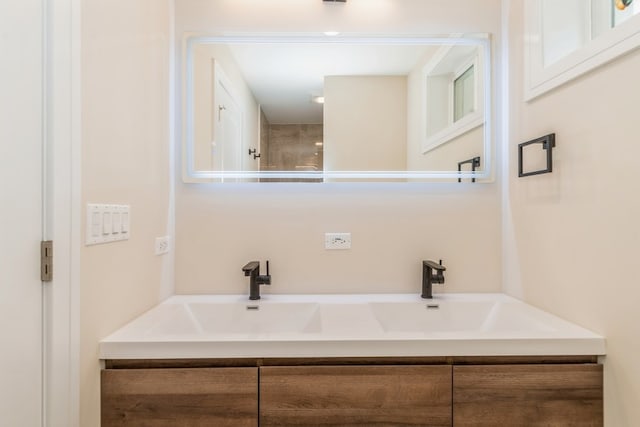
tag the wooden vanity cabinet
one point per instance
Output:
(355, 395)
(180, 397)
(448, 391)
(528, 395)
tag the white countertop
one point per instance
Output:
(371, 325)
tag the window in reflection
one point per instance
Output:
(464, 94)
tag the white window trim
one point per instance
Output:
(459, 128)
(606, 47)
(468, 122)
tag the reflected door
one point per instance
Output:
(228, 145)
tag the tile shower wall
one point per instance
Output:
(294, 148)
(290, 147)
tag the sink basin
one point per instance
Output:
(442, 316)
(355, 319)
(369, 325)
(506, 317)
(259, 318)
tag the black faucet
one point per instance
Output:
(428, 278)
(253, 269)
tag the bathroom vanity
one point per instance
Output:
(468, 359)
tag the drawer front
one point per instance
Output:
(180, 397)
(532, 395)
(355, 395)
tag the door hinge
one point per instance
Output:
(46, 261)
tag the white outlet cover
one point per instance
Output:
(163, 245)
(337, 241)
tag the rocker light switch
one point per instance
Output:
(106, 223)
(116, 222)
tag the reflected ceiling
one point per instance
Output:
(284, 77)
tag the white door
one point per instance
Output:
(21, 225)
(228, 131)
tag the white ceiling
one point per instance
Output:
(284, 77)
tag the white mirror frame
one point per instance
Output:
(190, 175)
(606, 47)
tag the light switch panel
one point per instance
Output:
(106, 223)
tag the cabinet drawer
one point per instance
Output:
(532, 395)
(180, 397)
(355, 395)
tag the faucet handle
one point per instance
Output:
(264, 279)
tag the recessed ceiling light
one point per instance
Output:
(318, 99)
(331, 33)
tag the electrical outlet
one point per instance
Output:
(337, 240)
(163, 245)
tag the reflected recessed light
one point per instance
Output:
(318, 99)
(331, 33)
(319, 144)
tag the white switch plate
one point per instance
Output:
(337, 240)
(163, 245)
(106, 223)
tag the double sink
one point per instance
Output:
(360, 315)
(194, 326)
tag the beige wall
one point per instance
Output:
(572, 237)
(365, 121)
(365, 16)
(394, 226)
(125, 160)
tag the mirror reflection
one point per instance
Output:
(322, 109)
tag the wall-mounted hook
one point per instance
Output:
(252, 151)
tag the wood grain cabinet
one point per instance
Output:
(456, 391)
(355, 395)
(180, 397)
(528, 395)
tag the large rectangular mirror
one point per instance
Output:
(334, 108)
